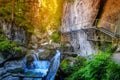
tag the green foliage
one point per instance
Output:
(6, 44)
(5, 11)
(32, 14)
(99, 68)
(17, 49)
(107, 48)
(69, 69)
(113, 71)
(21, 15)
(55, 37)
(1, 32)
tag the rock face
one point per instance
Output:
(9, 68)
(82, 13)
(74, 14)
(13, 32)
(110, 13)
(14, 66)
(78, 12)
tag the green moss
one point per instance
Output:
(6, 44)
(17, 49)
(70, 69)
(55, 37)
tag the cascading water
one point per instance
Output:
(54, 67)
(43, 68)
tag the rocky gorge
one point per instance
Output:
(31, 48)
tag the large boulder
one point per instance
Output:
(46, 54)
(10, 78)
(14, 66)
(116, 57)
(29, 59)
(2, 71)
(1, 59)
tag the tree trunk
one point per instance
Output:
(13, 10)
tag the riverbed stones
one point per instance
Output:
(1, 59)
(2, 71)
(29, 60)
(10, 78)
(13, 66)
(46, 54)
(10, 67)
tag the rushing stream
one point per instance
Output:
(43, 68)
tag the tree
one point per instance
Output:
(13, 8)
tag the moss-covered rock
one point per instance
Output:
(29, 60)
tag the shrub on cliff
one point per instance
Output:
(55, 37)
(8, 45)
(100, 68)
(69, 68)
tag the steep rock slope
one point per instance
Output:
(74, 14)
(111, 14)
(79, 14)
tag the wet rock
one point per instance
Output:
(72, 54)
(2, 71)
(10, 78)
(46, 54)
(1, 59)
(29, 60)
(20, 54)
(14, 55)
(31, 78)
(14, 66)
(27, 78)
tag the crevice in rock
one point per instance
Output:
(101, 8)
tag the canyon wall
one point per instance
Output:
(76, 15)
(79, 14)
(111, 14)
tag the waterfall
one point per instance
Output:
(54, 67)
(43, 68)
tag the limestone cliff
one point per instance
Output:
(82, 13)
(79, 11)
(74, 14)
(110, 13)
